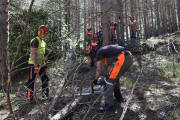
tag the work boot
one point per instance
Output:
(106, 108)
(118, 96)
(31, 101)
(91, 64)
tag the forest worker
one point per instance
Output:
(99, 33)
(95, 39)
(89, 36)
(133, 28)
(35, 60)
(118, 60)
(92, 48)
(112, 31)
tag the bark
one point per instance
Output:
(152, 22)
(69, 107)
(169, 17)
(145, 27)
(60, 18)
(92, 17)
(104, 22)
(178, 11)
(85, 24)
(120, 6)
(127, 38)
(157, 15)
(148, 30)
(174, 16)
(78, 24)
(4, 39)
(165, 20)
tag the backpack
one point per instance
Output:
(93, 48)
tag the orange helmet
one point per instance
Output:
(95, 36)
(100, 27)
(131, 18)
(43, 28)
(89, 28)
(110, 22)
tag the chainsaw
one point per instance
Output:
(95, 89)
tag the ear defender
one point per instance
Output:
(39, 32)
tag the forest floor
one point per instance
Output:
(156, 91)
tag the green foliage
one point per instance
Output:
(37, 18)
(172, 70)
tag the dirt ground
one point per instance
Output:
(154, 97)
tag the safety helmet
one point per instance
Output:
(100, 27)
(89, 28)
(110, 22)
(43, 28)
(131, 18)
(95, 36)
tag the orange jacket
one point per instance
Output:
(89, 35)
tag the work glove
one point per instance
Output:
(94, 82)
(36, 69)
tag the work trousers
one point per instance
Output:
(30, 84)
(117, 69)
(133, 34)
(112, 38)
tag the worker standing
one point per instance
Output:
(92, 48)
(35, 60)
(133, 28)
(112, 31)
(89, 35)
(118, 60)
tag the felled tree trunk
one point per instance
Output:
(69, 107)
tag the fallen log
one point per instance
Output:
(56, 98)
(69, 107)
(168, 35)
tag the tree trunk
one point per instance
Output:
(121, 21)
(165, 20)
(127, 38)
(152, 22)
(104, 23)
(169, 17)
(4, 40)
(157, 15)
(145, 29)
(148, 30)
(178, 11)
(84, 25)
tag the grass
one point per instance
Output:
(170, 70)
(144, 73)
(176, 115)
(127, 82)
(153, 86)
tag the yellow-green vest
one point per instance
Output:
(40, 51)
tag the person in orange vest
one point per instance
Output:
(89, 35)
(95, 39)
(35, 60)
(119, 60)
(112, 31)
(133, 28)
(92, 48)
